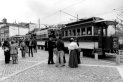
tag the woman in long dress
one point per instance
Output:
(6, 47)
(23, 48)
(73, 62)
(14, 52)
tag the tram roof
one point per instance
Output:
(94, 20)
(87, 20)
(107, 22)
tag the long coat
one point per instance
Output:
(14, 49)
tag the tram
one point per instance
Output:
(43, 35)
(16, 37)
(92, 35)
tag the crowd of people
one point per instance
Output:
(11, 48)
(55, 46)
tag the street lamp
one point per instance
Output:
(18, 30)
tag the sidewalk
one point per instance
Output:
(36, 69)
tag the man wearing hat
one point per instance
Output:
(50, 49)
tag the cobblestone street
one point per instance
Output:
(36, 69)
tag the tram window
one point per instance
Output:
(66, 33)
(74, 32)
(83, 31)
(89, 31)
(70, 34)
(62, 33)
(78, 32)
(99, 31)
(96, 30)
(104, 32)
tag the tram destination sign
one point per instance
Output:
(115, 43)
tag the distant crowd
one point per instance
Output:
(11, 48)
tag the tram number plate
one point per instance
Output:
(115, 43)
(120, 52)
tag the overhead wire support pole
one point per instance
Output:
(77, 17)
(61, 10)
(60, 16)
(70, 14)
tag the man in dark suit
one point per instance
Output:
(35, 45)
(30, 47)
(50, 50)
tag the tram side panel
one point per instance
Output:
(87, 44)
(90, 46)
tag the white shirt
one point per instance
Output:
(72, 45)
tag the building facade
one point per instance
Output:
(7, 30)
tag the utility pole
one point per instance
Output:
(39, 22)
(77, 17)
(29, 26)
(115, 27)
(18, 30)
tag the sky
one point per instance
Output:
(56, 11)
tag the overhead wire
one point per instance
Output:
(57, 12)
(72, 4)
(62, 10)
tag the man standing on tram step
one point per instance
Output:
(30, 47)
(50, 50)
